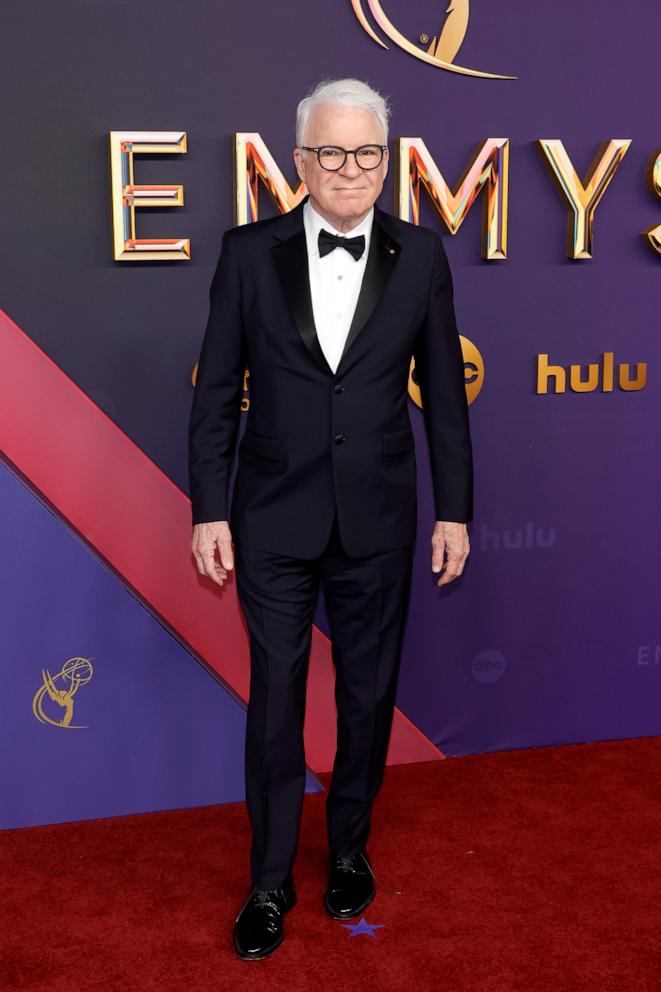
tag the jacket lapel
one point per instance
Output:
(381, 260)
(291, 259)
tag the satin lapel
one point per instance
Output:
(381, 260)
(291, 259)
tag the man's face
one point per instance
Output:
(343, 197)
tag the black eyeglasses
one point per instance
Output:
(332, 157)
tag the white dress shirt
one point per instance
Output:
(335, 282)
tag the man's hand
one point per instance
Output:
(452, 538)
(206, 537)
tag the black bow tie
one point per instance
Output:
(327, 241)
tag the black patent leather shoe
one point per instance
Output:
(350, 885)
(258, 928)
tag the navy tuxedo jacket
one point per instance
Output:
(316, 441)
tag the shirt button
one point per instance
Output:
(340, 277)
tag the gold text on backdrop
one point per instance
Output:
(487, 173)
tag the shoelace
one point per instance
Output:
(347, 863)
(262, 897)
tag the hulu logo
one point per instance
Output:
(598, 375)
(516, 538)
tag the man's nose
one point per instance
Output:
(351, 167)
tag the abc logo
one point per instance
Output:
(488, 665)
(473, 372)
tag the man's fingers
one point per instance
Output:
(437, 549)
(448, 575)
(454, 566)
(212, 569)
(198, 560)
(226, 553)
(206, 537)
(449, 539)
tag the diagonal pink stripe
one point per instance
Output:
(139, 521)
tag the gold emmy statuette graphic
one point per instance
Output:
(442, 49)
(61, 689)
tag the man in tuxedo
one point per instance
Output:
(325, 305)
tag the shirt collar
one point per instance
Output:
(314, 222)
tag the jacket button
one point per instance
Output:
(339, 439)
(338, 387)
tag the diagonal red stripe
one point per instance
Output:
(139, 521)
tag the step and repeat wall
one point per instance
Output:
(135, 135)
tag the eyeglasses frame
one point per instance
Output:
(347, 152)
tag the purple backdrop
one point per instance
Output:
(552, 634)
(151, 729)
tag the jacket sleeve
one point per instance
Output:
(216, 407)
(439, 372)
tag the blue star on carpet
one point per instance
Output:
(362, 927)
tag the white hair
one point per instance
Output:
(349, 93)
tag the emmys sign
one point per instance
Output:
(486, 174)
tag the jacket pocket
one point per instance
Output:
(263, 446)
(395, 442)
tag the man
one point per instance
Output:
(325, 305)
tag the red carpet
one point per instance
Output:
(521, 871)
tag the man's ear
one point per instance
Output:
(299, 161)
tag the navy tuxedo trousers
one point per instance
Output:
(366, 602)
